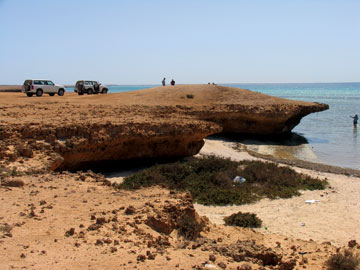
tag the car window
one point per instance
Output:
(87, 83)
(50, 83)
(37, 82)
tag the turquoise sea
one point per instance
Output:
(330, 134)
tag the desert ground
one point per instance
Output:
(79, 220)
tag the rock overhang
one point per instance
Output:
(153, 123)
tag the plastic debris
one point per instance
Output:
(210, 266)
(312, 201)
(239, 179)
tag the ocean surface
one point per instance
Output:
(330, 134)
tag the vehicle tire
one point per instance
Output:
(29, 94)
(80, 93)
(51, 94)
(61, 92)
(104, 91)
(39, 92)
(89, 91)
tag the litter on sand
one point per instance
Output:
(312, 201)
(210, 266)
(239, 179)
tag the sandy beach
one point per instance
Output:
(333, 217)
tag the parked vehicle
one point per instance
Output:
(90, 87)
(39, 87)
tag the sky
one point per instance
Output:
(191, 41)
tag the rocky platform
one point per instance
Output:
(78, 221)
(70, 132)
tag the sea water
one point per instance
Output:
(330, 134)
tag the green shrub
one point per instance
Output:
(343, 261)
(189, 228)
(210, 180)
(247, 220)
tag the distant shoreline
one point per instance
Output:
(10, 88)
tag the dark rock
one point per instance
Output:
(130, 210)
(99, 242)
(352, 243)
(13, 183)
(94, 227)
(100, 220)
(244, 267)
(70, 232)
(141, 258)
(290, 265)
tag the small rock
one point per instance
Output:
(212, 257)
(222, 265)
(13, 183)
(22, 256)
(94, 227)
(352, 243)
(130, 210)
(107, 241)
(244, 267)
(141, 258)
(100, 220)
(98, 242)
(70, 232)
(42, 202)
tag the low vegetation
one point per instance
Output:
(189, 228)
(246, 220)
(210, 180)
(343, 261)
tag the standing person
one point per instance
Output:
(163, 82)
(172, 82)
(356, 118)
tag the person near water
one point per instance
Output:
(356, 118)
(172, 82)
(163, 82)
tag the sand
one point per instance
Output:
(336, 218)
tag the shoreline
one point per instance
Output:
(292, 159)
(308, 164)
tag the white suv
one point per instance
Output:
(39, 87)
(90, 87)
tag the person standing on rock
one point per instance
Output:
(163, 82)
(356, 118)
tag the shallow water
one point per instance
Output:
(330, 134)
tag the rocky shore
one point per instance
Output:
(53, 218)
(72, 132)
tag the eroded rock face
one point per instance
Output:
(270, 120)
(70, 132)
